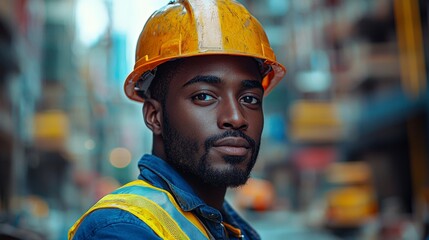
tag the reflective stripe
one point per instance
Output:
(154, 206)
(207, 20)
(186, 220)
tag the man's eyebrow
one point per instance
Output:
(205, 79)
(249, 84)
(245, 84)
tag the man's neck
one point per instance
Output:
(212, 196)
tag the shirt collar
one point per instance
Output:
(161, 174)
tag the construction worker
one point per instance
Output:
(202, 69)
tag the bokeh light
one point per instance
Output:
(120, 157)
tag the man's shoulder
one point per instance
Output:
(111, 223)
(107, 216)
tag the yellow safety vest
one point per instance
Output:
(155, 207)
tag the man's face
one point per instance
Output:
(213, 119)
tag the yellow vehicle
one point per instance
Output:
(351, 203)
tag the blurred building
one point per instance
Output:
(355, 91)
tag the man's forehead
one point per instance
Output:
(219, 64)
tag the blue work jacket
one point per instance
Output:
(112, 223)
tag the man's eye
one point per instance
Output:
(250, 100)
(202, 97)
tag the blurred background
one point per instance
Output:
(345, 143)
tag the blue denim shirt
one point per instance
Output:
(119, 224)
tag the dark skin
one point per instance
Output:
(209, 97)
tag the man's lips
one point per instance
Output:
(234, 146)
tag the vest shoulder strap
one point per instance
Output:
(155, 207)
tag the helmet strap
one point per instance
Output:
(143, 83)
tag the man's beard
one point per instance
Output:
(181, 154)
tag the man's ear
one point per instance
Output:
(152, 115)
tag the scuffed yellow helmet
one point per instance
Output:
(186, 28)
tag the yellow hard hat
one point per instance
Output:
(187, 28)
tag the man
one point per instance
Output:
(202, 69)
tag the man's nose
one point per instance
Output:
(231, 115)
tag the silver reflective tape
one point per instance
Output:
(206, 14)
